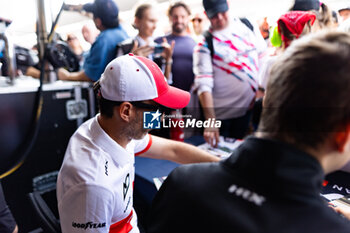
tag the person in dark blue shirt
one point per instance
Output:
(182, 74)
(103, 50)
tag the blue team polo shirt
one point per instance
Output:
(102, 51)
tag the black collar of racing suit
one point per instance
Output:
(276, 168)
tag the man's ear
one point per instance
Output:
(125, 111)
(342, 139)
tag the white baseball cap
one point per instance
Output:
(344, 7)
(135, 78)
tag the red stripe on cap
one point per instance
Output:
(157, 74)
(168, 96)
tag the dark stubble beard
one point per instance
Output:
(178, 29)
(135, 129)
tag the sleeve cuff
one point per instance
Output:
(203, 89)
(147, 147)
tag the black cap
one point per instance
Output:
(212, 7)
(306, 5)
(106, 10)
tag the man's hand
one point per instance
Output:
(343, 211)
(211, 136)
(143, 51)
(168, 49)
(32, 71)
(70, 7)
(63, 74)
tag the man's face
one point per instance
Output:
(136, 130)
(344, 15)
(148, 23)
(198, 24)
(90, 33)
(179, 19)
(136, 126)
(219, 21)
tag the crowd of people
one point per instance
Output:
(189, 61)
(297, 70)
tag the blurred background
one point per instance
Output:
(23, 13)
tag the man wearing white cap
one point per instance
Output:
(344, 12)
(95, 183)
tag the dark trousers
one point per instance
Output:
(236, 127)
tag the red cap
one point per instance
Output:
(295, 22)
(168, 96)
(134, 78)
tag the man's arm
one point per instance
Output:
(33, 72)
(167, 54)
(211, 135)
(204, 83)
(175, 151)
(74, 76)
(84, 204)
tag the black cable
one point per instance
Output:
(49, 38)
(22, 152)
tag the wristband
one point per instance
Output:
(169, 62)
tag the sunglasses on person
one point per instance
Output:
(197, 19)
(150, 107)
(142, 105)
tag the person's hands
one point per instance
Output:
(343, 211)
(32, 71)
(211, 136)
(62, 74)
(70, 7)
(168, 49)
(143, 51)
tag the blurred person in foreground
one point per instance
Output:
(272, 182)
(105, 15)
(95, 182)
